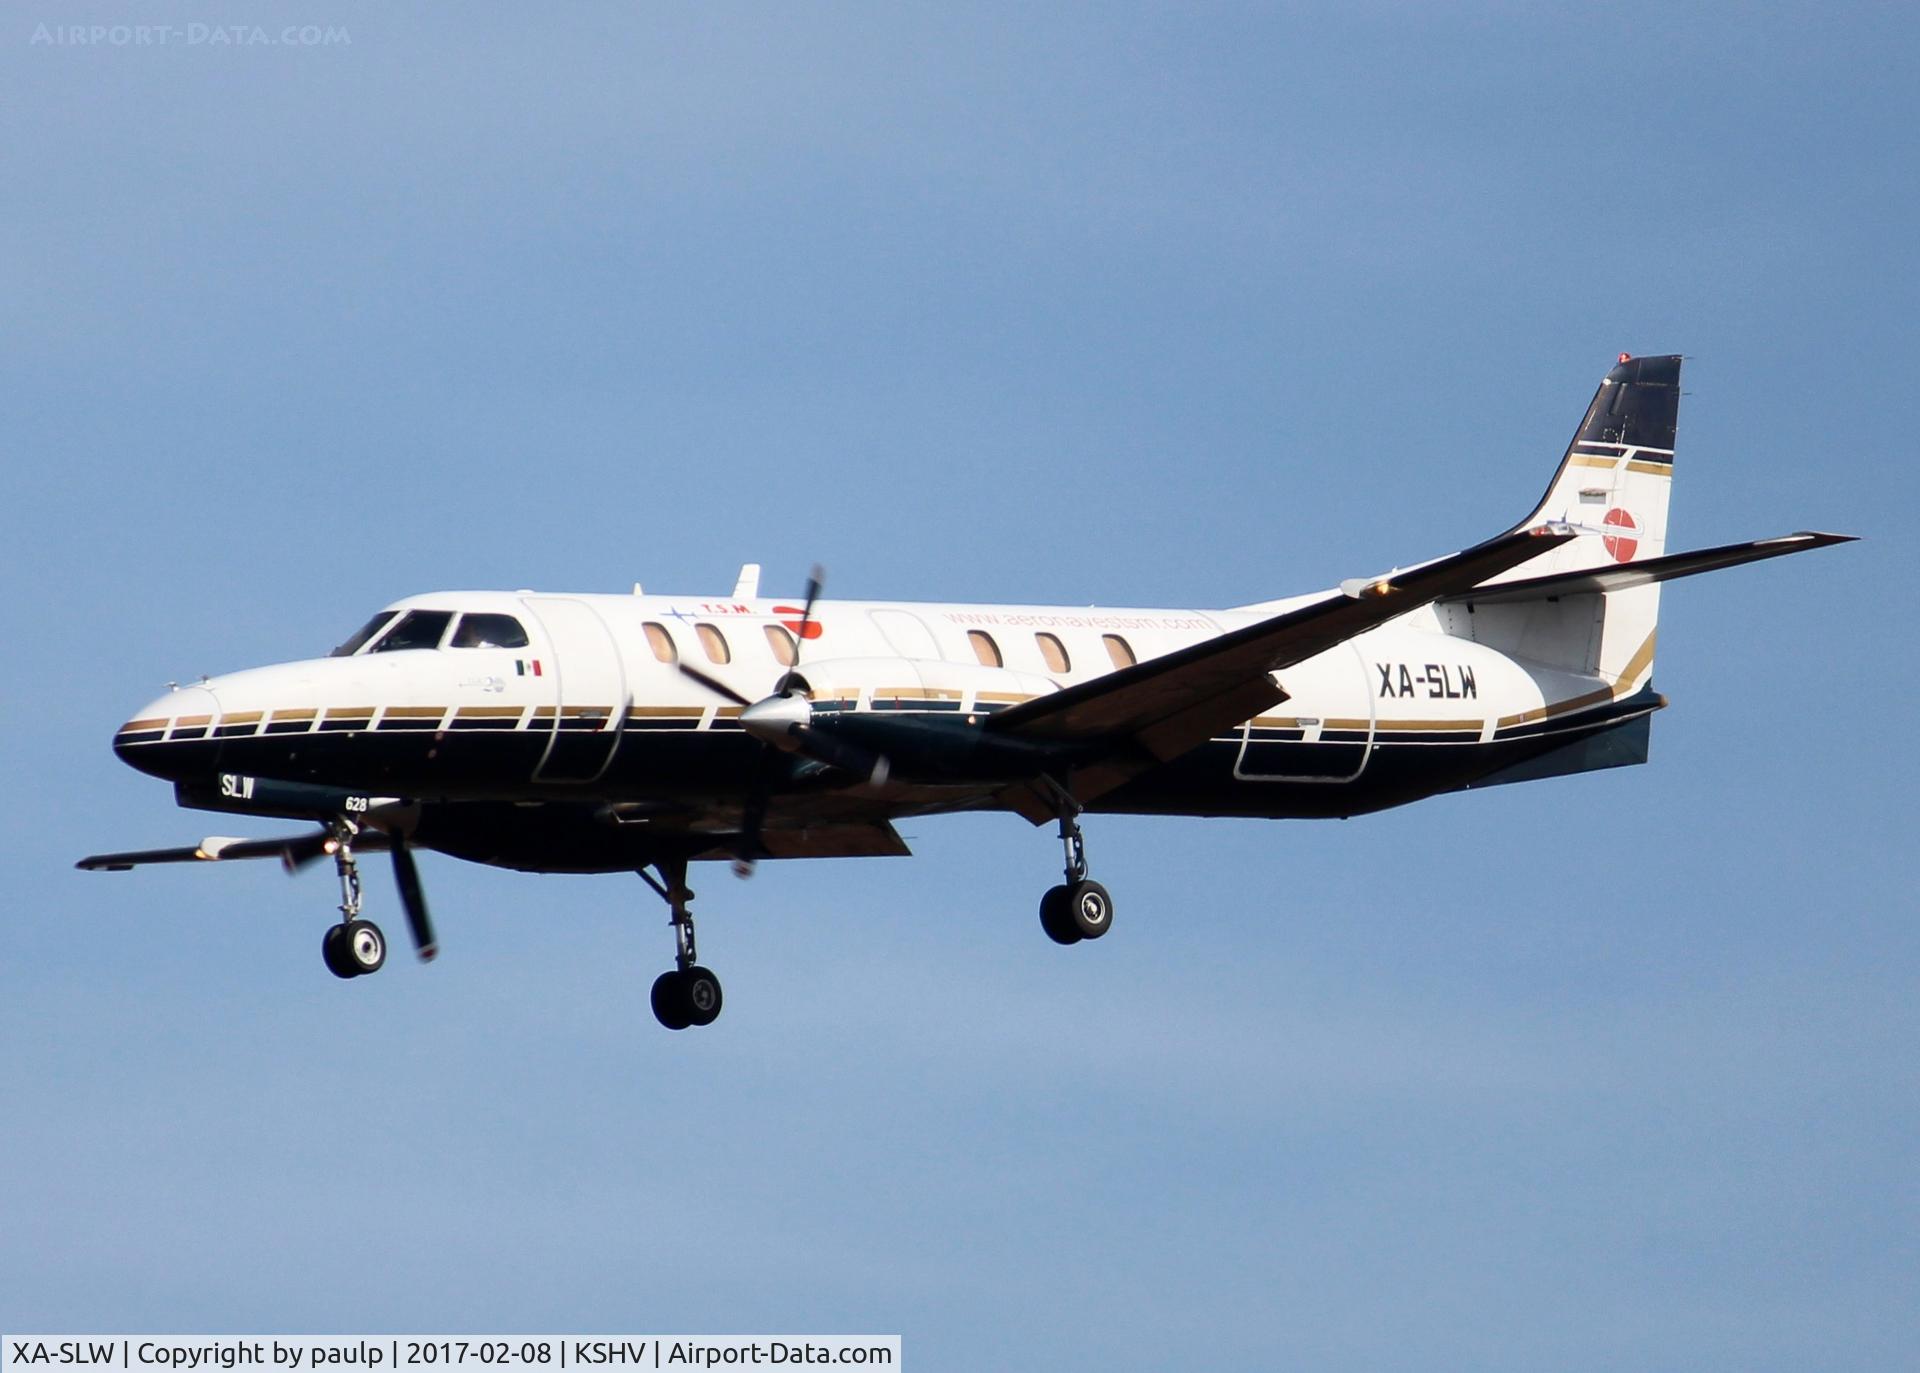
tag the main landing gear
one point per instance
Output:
(1079, 908)
(354, 947)
(688, 994)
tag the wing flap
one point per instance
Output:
(878, 840)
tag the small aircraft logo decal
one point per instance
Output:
(809, 630)
(1624, 544)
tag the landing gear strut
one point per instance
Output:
(354, 947)
(1079, 908)
(688, 994)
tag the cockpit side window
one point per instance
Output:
(418, 629)
(366, 632)
(488, 631)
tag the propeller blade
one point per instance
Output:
(304, 852)
(713, 684)
(753, 819)
(413, 899)
(816, 579)
(838, 753)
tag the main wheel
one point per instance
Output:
(1090, 909)
(365, 946)
(1055, 918)
(702, 991)
(333, 949)
(670, 1004)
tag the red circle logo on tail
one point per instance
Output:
(1622, 545)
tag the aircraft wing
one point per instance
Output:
(1628, 575)
(291, 851)
(1159, 709)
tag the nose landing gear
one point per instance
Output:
(687, 994)
(1079, 908)
(354, 947)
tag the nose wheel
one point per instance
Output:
(687, 994)
(1078, 908)
(354, 948)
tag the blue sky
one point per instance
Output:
(1182, 305)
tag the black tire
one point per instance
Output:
(1090, 909)
(702, 992)
(670, 1005)
(1055, 918)
(333, 948)
(364, 947)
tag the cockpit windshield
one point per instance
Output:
(488, 631)
(417, 629)
(366, 632)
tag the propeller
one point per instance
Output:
(784, 721)
(413, 899)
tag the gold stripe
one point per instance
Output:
(1527, 717)
(415, 712)
(150, 724)
(189, 721)
(1346, 724)
(1593, 460)
(1642, 658)
(1430, 725)
(1658, 469)
(294, 714)
(1012, 698)
(908, 693)
(543, 712)
(487, 713)
(728, 713)
(245, 717)
(1637, 664)
(666, 712)
(1276, 722)
(350, 712)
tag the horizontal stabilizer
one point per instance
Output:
(1628, 575)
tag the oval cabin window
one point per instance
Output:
(1119, 650)
(985, 649)
(715, 643)
(781, 643)
(1054, 652)
(661, 643)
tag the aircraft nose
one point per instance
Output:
(158, 737)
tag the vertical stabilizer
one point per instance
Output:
(1612, 486)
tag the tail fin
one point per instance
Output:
(1616, 473)
(1612, 487)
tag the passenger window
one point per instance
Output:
(489, 631)
(781, 643)
(367, 631)
(1119, 650)
(985, 649)
(661, 642)
(417, 629)
(1054, 652)
(715, 643)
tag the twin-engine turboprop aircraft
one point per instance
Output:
(591, 733)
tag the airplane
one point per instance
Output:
(644, 733)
